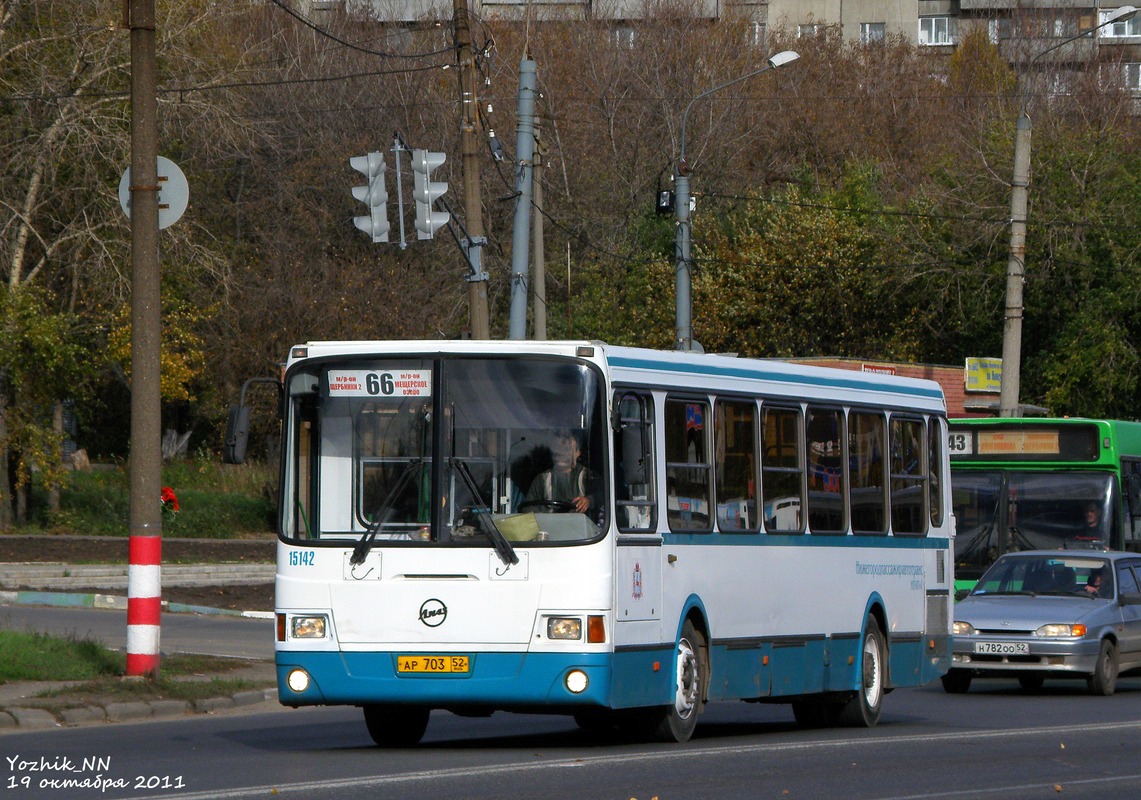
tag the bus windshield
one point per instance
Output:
(433, 450)
(999, 511)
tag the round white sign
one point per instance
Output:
(173, 192)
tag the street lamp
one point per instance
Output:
(684, 333)
(1016, 265)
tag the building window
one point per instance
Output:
(1132, 76)
(1125, 27)
(873, 32)
(755, 35)
(810, 30)
(623, 36)
(998, 29)
(936, 30)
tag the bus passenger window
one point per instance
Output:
(634, 459)
(687, 465)
(908, 493)
(735, 441)
(866, 464)
(825, 471)
(935, 438)
(782, 470)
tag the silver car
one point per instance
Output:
(1050, 614)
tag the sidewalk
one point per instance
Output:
(18, 707)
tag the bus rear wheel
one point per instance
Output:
(864, 709)
(396, 726)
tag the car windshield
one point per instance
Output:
(1047, 575)
(432, 450)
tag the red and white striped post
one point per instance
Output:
(145, 548)
(144, 604)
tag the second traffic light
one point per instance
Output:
(374, 195)
(425, 191)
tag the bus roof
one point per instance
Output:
(645, 366)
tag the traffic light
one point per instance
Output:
(426, 191)
(373, 195)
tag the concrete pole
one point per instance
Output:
(683, 282)
(525, 151)
(478, 315)
(144, 572)
(538, 260)
(1015, 273)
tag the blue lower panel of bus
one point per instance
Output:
(744, 669)
(494, 680)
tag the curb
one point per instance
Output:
(23, 718)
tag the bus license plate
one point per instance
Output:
(1002, 648)
(433, 665)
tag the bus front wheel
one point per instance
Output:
(864, 709)
(677, 721)
(396, 726)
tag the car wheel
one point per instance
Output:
(957, 681)
(863, 710)
(1103, 681)
(396, 726)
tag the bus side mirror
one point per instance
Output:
(633, 455)
(238, 425)
(237, 433)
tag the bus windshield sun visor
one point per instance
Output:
(483, 515)
(360, 552)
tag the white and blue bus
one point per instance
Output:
(739, 530)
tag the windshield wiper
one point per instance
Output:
(360, 552)
(483, 515)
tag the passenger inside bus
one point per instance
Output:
(569, 485)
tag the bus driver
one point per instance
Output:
(567, 485)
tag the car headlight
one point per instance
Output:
(962, 628)
(1061, 629)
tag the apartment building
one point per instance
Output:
(1026, 31)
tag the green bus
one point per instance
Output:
(1042, 483)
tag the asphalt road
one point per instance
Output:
(238, 637)
(996, 741)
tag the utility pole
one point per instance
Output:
(1015, 272)
(144, 579)
(537, 259)
(1009, 388)
(524, 154)
(473, 205)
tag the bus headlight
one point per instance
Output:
(576, 681)
(308, 627)
(297, 680)
(569, 628)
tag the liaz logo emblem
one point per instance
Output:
(433, 613)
